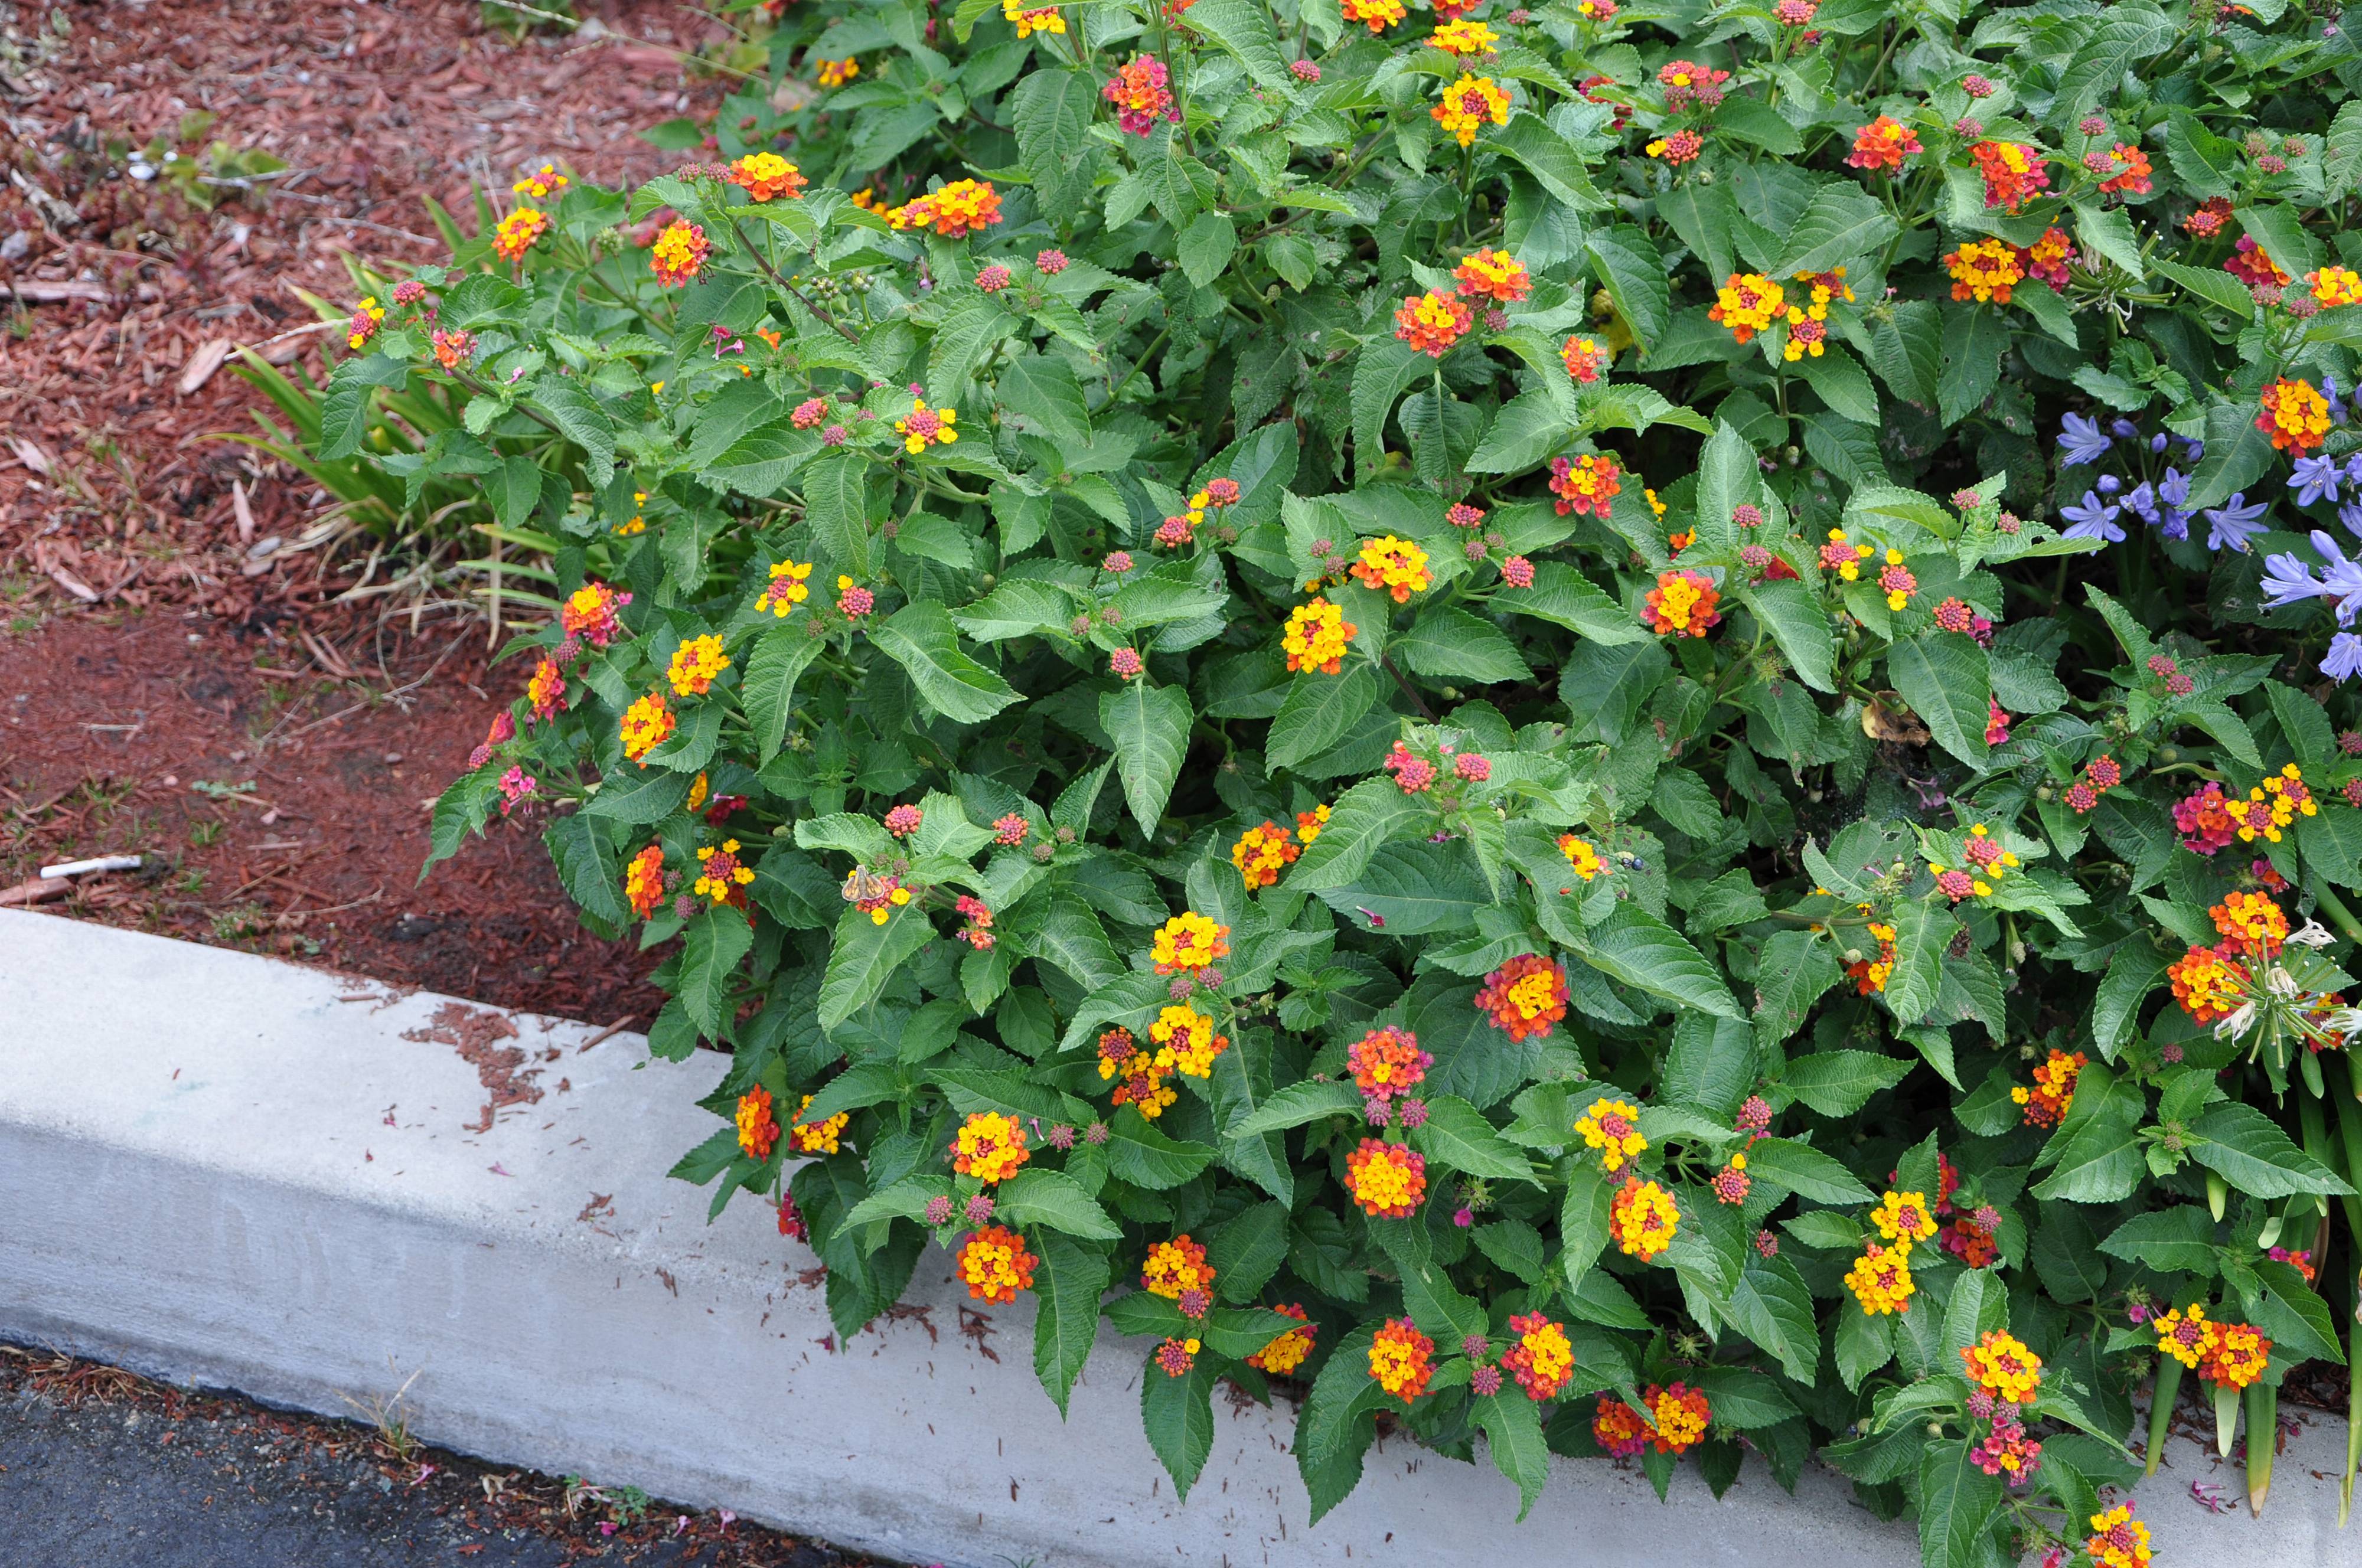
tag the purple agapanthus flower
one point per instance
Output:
(2081, 438)
(2351, 516)
(2095, 519)
(2343, 659)
(2141, 501)
(2343, 581)
(2126, 428)
(2233, 523)
(2173, 505)
(2287, 581)
(2329, 396)
(2315, 478)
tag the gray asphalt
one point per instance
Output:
(100, 1486)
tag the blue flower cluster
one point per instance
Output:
(2161, 503)
(2289, 579)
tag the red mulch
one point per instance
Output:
(114, 720)
(126, 598)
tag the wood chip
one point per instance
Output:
(37, 291)
(30, 453)
(40, 891)
(74, 585)
(244, 511)
(210, 356)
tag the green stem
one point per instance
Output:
(2353, 1424)
(2338, 912)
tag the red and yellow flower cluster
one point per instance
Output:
(2053, 1091)
(678, 255)
(1542, 1361)
(1883, 143)
(1189, 941)
(1432, 323)
(989, 1146)
(1677, 1419)
(1585, 485)
(994, 1265)
(1286, 1352)
(757, 1130)
(1144, 1072)
(1402, 1358)
(1174, 1269)
(2012, 173)
(1524, 996)
(1393, 566)
(1683, 604)
(1187, 1036)
(2002, 1365)
(1494, 275)
(2231, 1355)
(2208, 983)
(956, 211)
(824, 1137)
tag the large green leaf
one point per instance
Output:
(864, 956)
(1513, 1430)
(920, 637)
(1069, 1281)
(1149, 727)
(1636, 947)
(1178, 1415)
(2250, 1151)
(1944, 678)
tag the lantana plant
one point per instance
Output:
(1609, 729)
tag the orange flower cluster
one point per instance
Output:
(1883, 143)
(957, 210)
(1870, 975)
(2053, 1090)
(644, 886)
(1402, 1358)
(2294, 415)
(2335, 286)
(1376, 15)
(1643, 1218)
(2208, 983)
(1495, 275)
(2131, 168)
(1432, 323)
(2118, 1540)
(994, 1265)
(1985, 269)
(1682, 1416)
(763, 176)
(1584, 485)
(1261, 853)
(2012, 175)
(758, 1131)
(1140, 97)
(1682, 604)
(1748, 304)
(2254, 924)
(1619, 1428)
(1584, 358)
(1387, 1063)
(518, 233)
(1524, 996)
(695, 665)
(1582, 856)
(1388, 1180)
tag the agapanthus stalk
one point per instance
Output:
(2218, 1197)
(2353, 1425)
(2263, 1436)
(2226, 1418)
(2160, 1408)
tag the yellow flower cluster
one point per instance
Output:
(1880, 1279)
(1393, 565)
(1046, 19)
(818, 1137)
(1316, 637)
(646, 724)
(2335, 286)
(1463, 37)
(1612, 1127)
(789, 588)
(695, 664)
(923, 426)
(2002, 1365)
(1903, 1218)
(720, 871)
(1190, 1035)
(1189, 941)
(1582, 856)
(989, 1146)
(1467, 105)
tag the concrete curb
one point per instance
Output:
(232, 1171)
